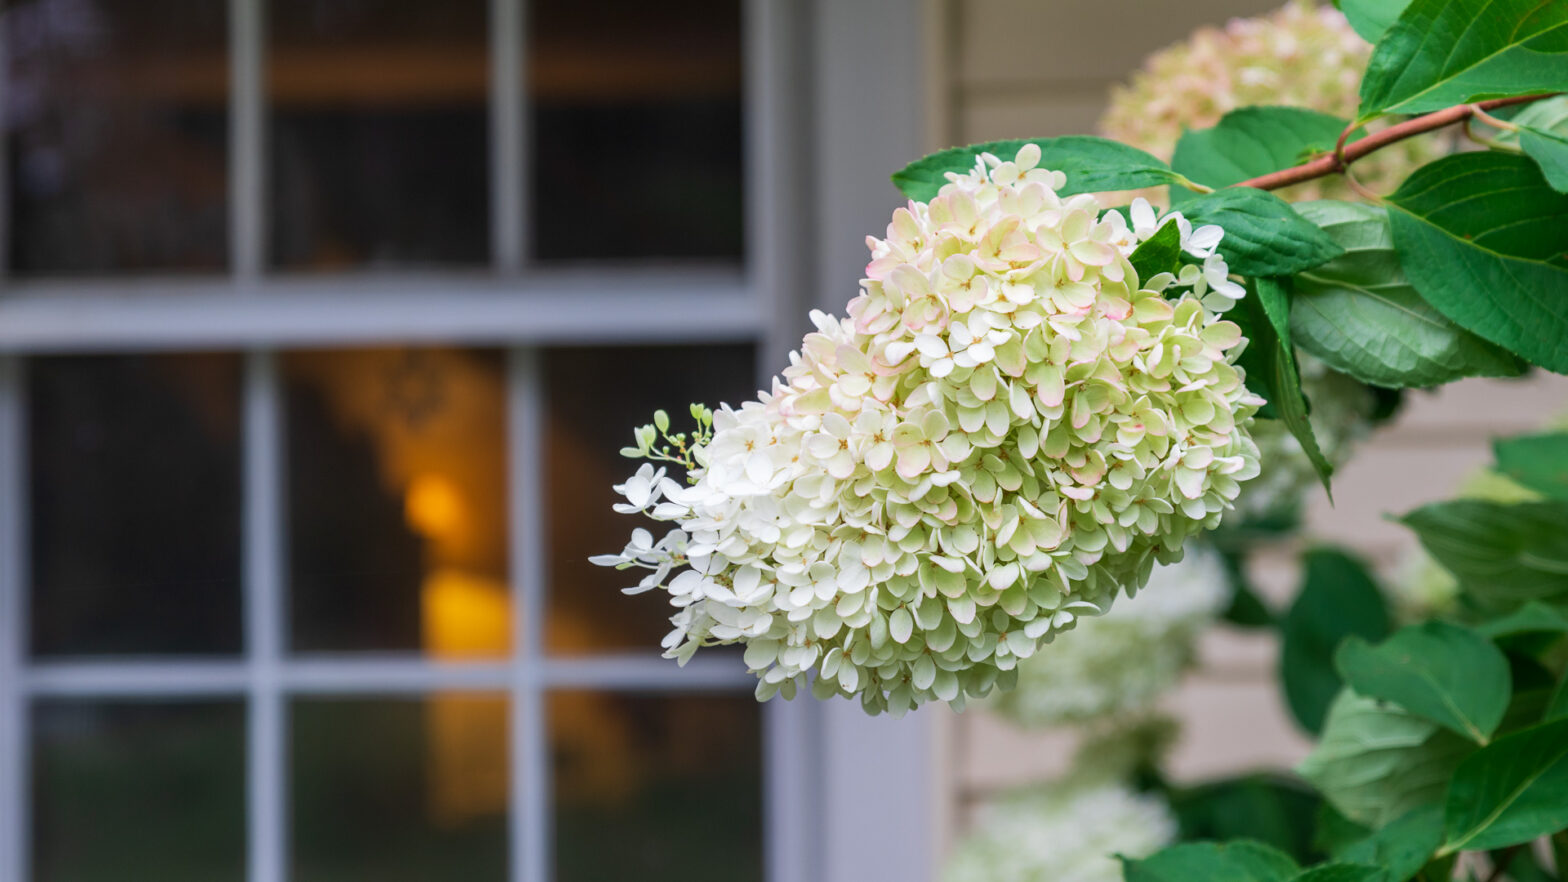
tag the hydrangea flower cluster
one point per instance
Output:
(1057, 833)
(1302, 55)
(1008, 431)
(1119, 663)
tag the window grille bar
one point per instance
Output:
(530, 768)
(266, 759)
(378, 675)
(14, 786)
(777, 144)
(689, 306)
(247, 138)
(508, 209)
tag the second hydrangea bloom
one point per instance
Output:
(1008, 431)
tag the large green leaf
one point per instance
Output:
(1485, 240)
(1264, 236)
(1539, 462)
(1285, 379)
(1403, 847)
(1268, 808)
(1092, 165)
(1371, 18)
(1444, 52)
(1436, 670)
(1359, 315)
(1338, 599)
(1504, 555)
(1239, 861)
(1249, 142)
(1375, 762)
(1510, 792)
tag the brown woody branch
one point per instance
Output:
(1344, 154)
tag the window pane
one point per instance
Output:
(587, 611)
(118, 135)
(626, 84)
(657, 789)
(135, 474)
(378, 133)
(130, 792)
(397, 501)
(400, 790)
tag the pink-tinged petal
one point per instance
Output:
(912, 461)
(1051, 387)
(1092, 253)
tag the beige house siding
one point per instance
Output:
(1013, 68)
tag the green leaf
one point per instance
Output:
(1436, 670)
(1264, 236)
(1286, 379)
(1557, 707)
(1444, 52)
(1339, 873)
(1268, 808)
(1375, 762)
(1160, 253)
(1550, 152)
(1092, 165)
(1338, 599)
(1335, 833)
(1239, 861)
(1401, 848)
(1510, 792)
(1504, 555)
(1249, 142)
(1538, 462)
(1481, 236)
(1371, 18)
(1534, 617)
(1546, 115)
(1359, 315)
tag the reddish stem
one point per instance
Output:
(1344, 154)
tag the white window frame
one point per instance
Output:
(833, 100)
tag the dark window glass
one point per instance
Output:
(134, 792)
(135, 478)
(636, 127)
(657, 789)
(399, 790)
(378, 133)
(117, 113)
(595, 398)
(397, 501)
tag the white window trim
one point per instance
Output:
(834, 100)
